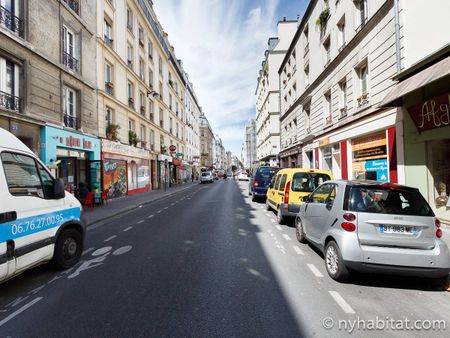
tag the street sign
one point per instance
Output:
(172, 148)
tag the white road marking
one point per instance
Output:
(101, 251)
(165, 208)
(278, 227)
(87, 251)
(19, 311)
(150, 216)
(298, 250)
(172, 204)
(273, 221)
(110, 238)
(141, 221)
(159, 211)
(315, 271)
(127, 229)
(341, 302)
(286, 237)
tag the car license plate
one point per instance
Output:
(395, 229)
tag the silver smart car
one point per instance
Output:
(373, 227)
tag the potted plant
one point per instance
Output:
(323, 18)
(133, 138)
(111, 131)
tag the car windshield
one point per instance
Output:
(387, 200)
(266, 172)
(205, 174)
(307, 182)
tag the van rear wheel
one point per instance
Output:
(68, 248)
(334, 263)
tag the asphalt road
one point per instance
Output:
(208, 262)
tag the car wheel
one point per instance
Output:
(334, 263)
(280, 218)
(253, 197)
(68, 249)
(268, 207)
(441, 283)
(299, 231)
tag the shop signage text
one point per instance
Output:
(75, 142)
(431, 114)
(123, 149)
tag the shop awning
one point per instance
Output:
(431, 74)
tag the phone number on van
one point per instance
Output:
(36, 224)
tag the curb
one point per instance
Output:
(136, 206)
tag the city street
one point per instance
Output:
(205, 261)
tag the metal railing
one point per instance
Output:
(71, 62)
(10, 102)
(70, 121)
(10, 21)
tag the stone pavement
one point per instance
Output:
(122, 204)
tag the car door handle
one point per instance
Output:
(8, 216)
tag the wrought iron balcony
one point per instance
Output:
(70, 121)
(10, 21)
(10, 102)
(71, 62)
(74, 5)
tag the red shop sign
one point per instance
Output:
(431, 114)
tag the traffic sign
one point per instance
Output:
(172, 148)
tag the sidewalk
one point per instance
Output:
(120, 205)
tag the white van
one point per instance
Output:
(39, 221)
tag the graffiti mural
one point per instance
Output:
(115, 178)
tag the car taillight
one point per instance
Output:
(347, 226)
(349, 217)
(438, 233)
(255, 184)
(437, 222)
(286, 192)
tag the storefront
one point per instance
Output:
(331, 156)
(369, 157)
(28, 133)
(291, 157)
(164, 164)
(126, 169)
(74, 157)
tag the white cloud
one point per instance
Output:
(221, 43)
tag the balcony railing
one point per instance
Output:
(10, 102)
(74, 5)
(108, 41)
(109, 88)
(71, 62)
(70, 121)
(10, 21)
(131, 102)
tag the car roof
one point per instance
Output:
(356, 183)
(10, 142)
(303, 170)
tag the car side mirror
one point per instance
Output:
(329, 204)
(58, 189)
(305, 199)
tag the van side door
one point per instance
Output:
(30, 195)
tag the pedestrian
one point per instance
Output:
(192, 177)
(82, 192)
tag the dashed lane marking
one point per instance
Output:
(297, 250)
(286, 237)
(165, 208)
(315, 271)
(141, 221)
(150, 216)
(110, 238)
(87, 251)
(127, 229)
(172, 204)
(19, 311)
(159, 211)
(341, 302)
(278, 227)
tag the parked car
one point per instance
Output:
(373, 227)
(243, 176)
(289, 186)
(206, 177)
(259, 183)
(40, 221)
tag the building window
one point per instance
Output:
(70, 50)
(130, 56)
(150, 78)
(176, 129)
(328, 109)
(152, 110)
(142, 69)
(141, 36)
(109, 85)
(108, 33)
(142, 136)
(307, 75)
(142, 102)
(170, 101)
(152, 139)
(170, 125)
(161, 118)
(9, 85)
(162, 143)
(161, 90)
(70, 107)
(130, 95)
(130, 20)
(361, 7)
(341, 33)
(363, 72)
(307, 118)
(176, 108)
(160, 65)
(109, 116)
(305, 41)
(326, 49)
(343, 98)
(131, 125)
(73, 4)
(9, 17)
(150, 50)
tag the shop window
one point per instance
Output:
(369, 156)
(70, 52)
(9, 85)
(439, 165)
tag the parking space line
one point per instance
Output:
(159, 211)
(165, 208)
(141, 221)
(286, 237)
(110, 238)
(341, 302)
(150, 216)
(19, 311)
(127, 229)
(315, 271)
(297, 250)
(278, 227)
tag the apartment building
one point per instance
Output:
(268, 94)
(250, 160)
(192, 131)
(219, 153)
(207, 143)
(47, 86)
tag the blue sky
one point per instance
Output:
(222, 44)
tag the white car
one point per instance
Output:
(207, 176)
(243, 177)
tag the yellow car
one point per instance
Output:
(288, 188)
